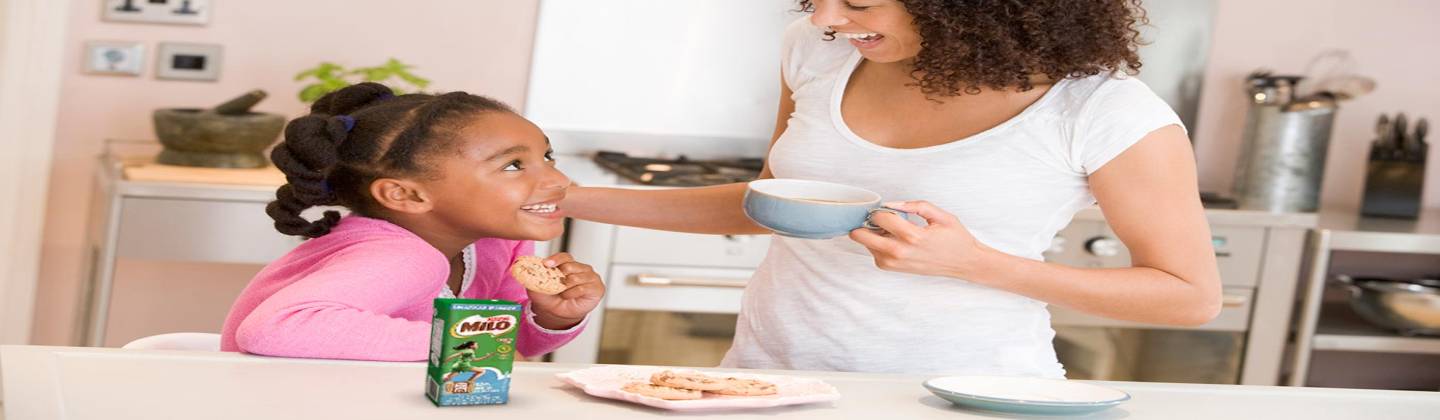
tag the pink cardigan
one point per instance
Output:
(364, 292)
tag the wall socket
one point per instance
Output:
(178, 12)
(114, 58)
(181, 61)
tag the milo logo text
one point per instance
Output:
(477, 325)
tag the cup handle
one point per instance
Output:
(871, 225)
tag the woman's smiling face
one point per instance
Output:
(882, 30)
(500, 182)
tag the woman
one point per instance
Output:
(1006, 118)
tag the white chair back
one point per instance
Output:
(177, 341)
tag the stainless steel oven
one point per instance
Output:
(673, 297)
(1092, 347)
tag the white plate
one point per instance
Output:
(606, 381)
(1025, 395)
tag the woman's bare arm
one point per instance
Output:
(712, 210)
(1149, 196)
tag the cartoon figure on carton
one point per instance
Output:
(465, 352)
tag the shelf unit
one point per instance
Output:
(1335, 327)
(1342, 330)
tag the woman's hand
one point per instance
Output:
(582, 294)
(944, 248)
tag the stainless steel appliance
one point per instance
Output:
(681, 171)
(1097, 348)
(683, 290)
(673, 297)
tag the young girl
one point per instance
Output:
(445, 192)
(1007, 118)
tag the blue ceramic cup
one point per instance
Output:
(810, 209)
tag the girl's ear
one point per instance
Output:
(401, 196)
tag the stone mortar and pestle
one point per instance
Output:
(226, 136)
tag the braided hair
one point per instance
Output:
(354, 136)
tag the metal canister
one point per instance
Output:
(1282, 160)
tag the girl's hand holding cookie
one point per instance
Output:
(561, 305)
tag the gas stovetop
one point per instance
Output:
(680, 172)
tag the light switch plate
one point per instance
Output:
(179, 12)
(178, 61)
(114, 57)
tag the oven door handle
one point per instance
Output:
(654, 280)
(1233, 301)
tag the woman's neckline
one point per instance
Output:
(847, 71)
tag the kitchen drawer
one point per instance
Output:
(1234, 315)
(1239, 251)
(646, 246)
(200, 230)
(675, 289)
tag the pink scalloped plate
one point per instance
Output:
(606, 381)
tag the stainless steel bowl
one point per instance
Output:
(1409, 306)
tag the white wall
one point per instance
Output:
(30, 36)
(481, 46)
(699, 68)
(484, 46)
(29, 58)
(1394, 41)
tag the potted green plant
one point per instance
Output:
(329, 77)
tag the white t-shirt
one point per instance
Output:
(823, 305)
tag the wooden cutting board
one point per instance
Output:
(154, 172)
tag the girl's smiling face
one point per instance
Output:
(500, 181)
(882, 30)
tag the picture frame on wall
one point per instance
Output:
(173, 12)
(117, 58)
(182, 61)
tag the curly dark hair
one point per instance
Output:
(354, 136)
(969, 44)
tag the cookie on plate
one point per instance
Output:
(687, 380)
(531, 272)
(661, 391)
(746, 387)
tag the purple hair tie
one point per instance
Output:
(349, 122)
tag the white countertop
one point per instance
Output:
(583, 171)
(105, 383)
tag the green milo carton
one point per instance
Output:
(472, 348)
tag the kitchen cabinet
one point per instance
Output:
(172, 214)
(1259, 257)
(168, 217)
(1330, 327)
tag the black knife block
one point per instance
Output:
(1394, 180)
